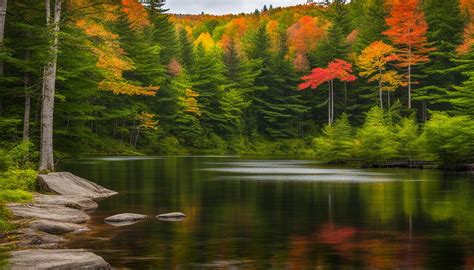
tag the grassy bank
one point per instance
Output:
(17, 182)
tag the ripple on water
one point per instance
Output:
(290, 170)
(310, 178)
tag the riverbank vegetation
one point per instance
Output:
(17, 179)
(365, 80)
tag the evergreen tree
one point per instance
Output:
(186, 55)
(445, 29)
(208, 81)
(372, 24)
(461, 97)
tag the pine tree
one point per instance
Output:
(445, 28)
(462, 96)
(164, 33)
(208, 81)
(372, 24)
(334, 45)
(186, 47)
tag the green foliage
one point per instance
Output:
(336, 144)
(15, 196)
(19, 179)
(407, 133)
(375, 140)
(238, 96)
(449, 139)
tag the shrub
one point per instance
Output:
(449, 139)
(18, 179)
(406, 133)
(375, 140)
(16, 196)
(336, 144)
(5, 160)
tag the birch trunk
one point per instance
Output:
(49, 85)
(3, 14)
(26, 115)
(332, 102)
(329, 103)
(380, 89)
(409, 86)
(409, 78)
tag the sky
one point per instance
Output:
(220, 7)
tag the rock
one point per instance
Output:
(50, 212)
(56, 259)
(125, 217)
(71, 201)
(30, 238)
(65, 183)
(224, 263)
(175, 216)
(56, 227)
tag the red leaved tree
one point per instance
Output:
(337, 69)
(407, 31)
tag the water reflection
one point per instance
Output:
(337, 217)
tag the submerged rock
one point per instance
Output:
(56, 227)
(65, 183)
(125, 217)
(49, 212)
(174, 216)
(71, 201)
(56, 259)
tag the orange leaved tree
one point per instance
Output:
(373, 62)
(407, 31)
(337, 69)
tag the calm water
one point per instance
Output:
(248, 213)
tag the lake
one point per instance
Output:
(261, 213)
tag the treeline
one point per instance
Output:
(129, 76)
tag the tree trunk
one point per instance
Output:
(26, 116)
(3, 15)
(136, 138)
(49, 85)
(409, 79)
(409, 86)
(380, 90)
(345, 96)
(332, 103)
(425, 113)
(388, 97)
(329, 103)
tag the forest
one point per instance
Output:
(361, 80)
(247, 123)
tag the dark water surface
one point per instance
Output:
(253, 213)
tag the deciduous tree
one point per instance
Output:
(407, 30)
(374, 61)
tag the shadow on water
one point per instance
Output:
(264, 213)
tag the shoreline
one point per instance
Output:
(45, 224)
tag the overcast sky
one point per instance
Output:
(224, 6)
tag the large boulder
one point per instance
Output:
(71, 201)
(65, 183)
(56, 227)
(56, 259)
(50, 212)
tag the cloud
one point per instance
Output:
(224, 6)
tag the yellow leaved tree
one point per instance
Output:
(373, 61)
